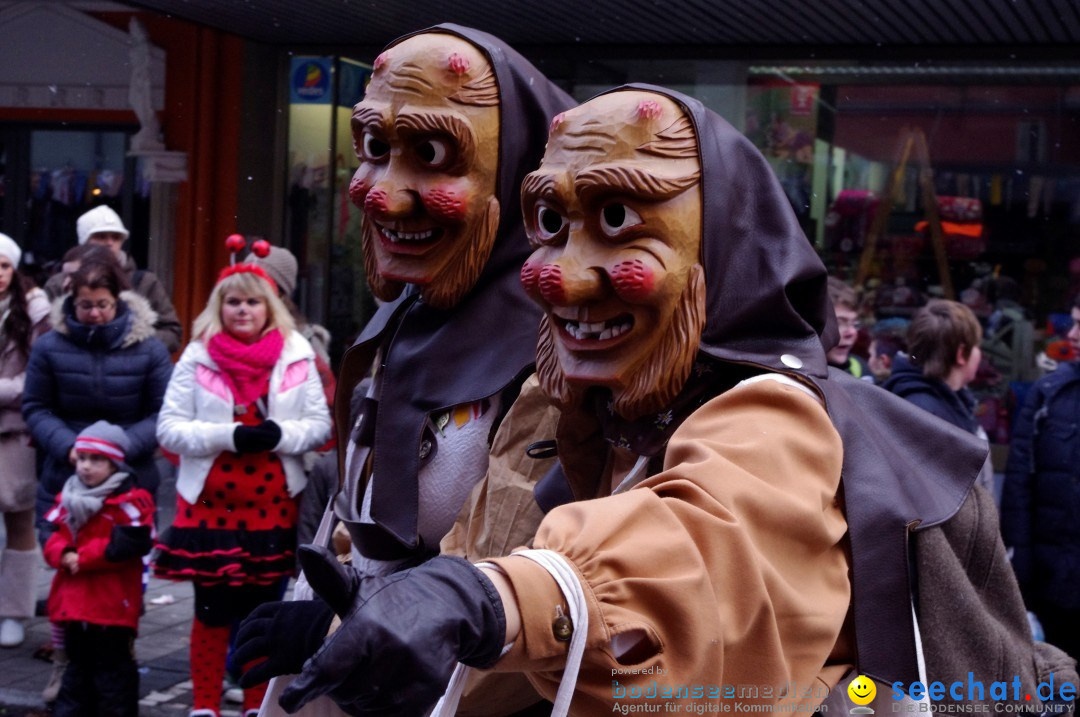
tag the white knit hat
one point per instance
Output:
(10, 249)
(99, 219)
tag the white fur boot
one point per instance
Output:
(19, 570)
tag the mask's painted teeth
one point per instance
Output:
(407, 236)
(599, 330)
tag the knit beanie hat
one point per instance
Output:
(281, 265)
(10, 249)
(105, 438)
(99, 219)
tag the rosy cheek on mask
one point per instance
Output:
(358, 189)
(633, 280)
(376, 202)
(530, 278)
(551, 284)
(444, 204)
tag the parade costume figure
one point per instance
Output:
(103, 529)
(22, 319)
(695, 532)
(452, 121)
(244, 404)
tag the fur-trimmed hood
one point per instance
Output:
(133, 324)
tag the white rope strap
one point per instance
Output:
(568, 583)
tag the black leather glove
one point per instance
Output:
(398, 645)
(127, 542)
(255, 439)
(279, 637)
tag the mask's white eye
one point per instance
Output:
(548, 222)
(616, 217)
(433, 151)
(374, 148)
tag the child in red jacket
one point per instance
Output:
(103, 529)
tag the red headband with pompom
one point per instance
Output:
(247, 269)
(235, 243)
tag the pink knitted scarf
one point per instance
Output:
(246, 367)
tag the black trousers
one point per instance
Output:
(101, 679)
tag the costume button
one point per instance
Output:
(425, 448)
(561, 627)
(791, 361)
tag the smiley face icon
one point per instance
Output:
(862, 690)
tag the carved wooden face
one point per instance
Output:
(615, 215)
(427, 137)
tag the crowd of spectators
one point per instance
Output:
(93, 410)
(976, 364)
(87, 376)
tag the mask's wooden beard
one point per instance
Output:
(658, 380)
(456, 278)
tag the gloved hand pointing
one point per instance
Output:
(403, 635)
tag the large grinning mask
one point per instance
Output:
(427, 137)
(614, 213)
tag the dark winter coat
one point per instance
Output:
(79, 374)
(1040, 504)
(932, 394)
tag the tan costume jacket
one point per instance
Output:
(728, 568)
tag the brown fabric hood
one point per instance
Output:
(434, 359)
(766, 293)
(768, 308)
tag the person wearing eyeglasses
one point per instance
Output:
(101, 226)
(100, 362)
(846, 307)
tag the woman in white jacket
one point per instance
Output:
(244, 403)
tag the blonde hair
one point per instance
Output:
(208, 323)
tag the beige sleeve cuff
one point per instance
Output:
(536, 646)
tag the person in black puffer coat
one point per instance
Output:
(1040, 504)
(101, 361)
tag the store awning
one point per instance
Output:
(696, 24)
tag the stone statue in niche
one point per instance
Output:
(140, 92)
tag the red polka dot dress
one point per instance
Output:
(242, 529)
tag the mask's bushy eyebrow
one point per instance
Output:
(439, 123)
(633, 181)
(538, 184)
(367, 117)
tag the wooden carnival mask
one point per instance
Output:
(427, 137)
(615, 215)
